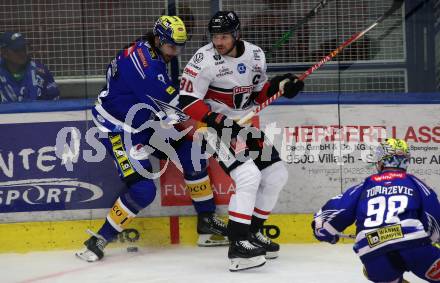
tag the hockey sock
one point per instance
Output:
(237, 231)
(256, 224)
(200, 190)
(126, 207)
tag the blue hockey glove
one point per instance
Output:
(321, 234)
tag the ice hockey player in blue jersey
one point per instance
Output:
(21, 77)
(138, 87)
(397, 219)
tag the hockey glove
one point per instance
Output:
(219, 121)
(288, 83)
(321, 234)
(275, 84)
(292, 87)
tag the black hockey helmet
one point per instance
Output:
(224, 22)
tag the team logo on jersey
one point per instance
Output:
(241, 68)
(241, 96)
(198, 58)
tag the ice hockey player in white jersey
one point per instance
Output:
(221, 83)
(397, 219)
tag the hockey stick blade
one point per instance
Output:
(396, 5)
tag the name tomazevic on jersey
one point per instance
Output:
(393, 190)
(224, 82)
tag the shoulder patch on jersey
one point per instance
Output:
(142, 57)
(198, 58)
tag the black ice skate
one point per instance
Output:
(259, 240)
(94, 249)
(244, 255)
(212, 231)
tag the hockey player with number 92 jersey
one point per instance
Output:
(397, 219)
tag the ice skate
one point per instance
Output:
(94, 249)
(244, 255)
(212, 231)
(260, 240)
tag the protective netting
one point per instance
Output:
(265, 22)
(78, 38)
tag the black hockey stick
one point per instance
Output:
(396, 5)
(304, 20)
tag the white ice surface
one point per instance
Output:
(320, 263)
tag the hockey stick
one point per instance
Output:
(346, 236)
(396, 5)
(304, 20)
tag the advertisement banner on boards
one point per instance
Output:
(328, 150)
(34, 178)
(174, 192)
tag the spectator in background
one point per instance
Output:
(21, 77)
